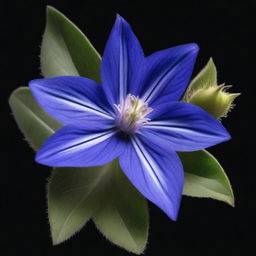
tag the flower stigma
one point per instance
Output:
(131, 114)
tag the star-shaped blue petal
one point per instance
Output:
(135, 115)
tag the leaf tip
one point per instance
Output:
(231, 201)
(57, 240)
(11, 97)
(210, 61)
(50, 8)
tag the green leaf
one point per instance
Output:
(205, 78)
(123, 217)
(66, 50)
(33, 121)
(73, 198)
(204, 177)
(120, 211)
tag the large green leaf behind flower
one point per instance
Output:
(123, 214)
(35, 124)
(120, 212)
(66, 50)
(73, 199)
(103, 193)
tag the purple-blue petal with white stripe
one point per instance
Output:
(165, 74)
(157, 175)
(77, 146)
(184, 127)
(71, 99)
(120, 62)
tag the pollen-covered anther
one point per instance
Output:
(132, 114)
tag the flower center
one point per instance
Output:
(131, 114)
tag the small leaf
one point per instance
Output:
(66, 50)
(72, 199)
(204, 177)
(123, 217)
(33, 121)
(205, 78)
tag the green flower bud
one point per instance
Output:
(215, 100)
(204, 92)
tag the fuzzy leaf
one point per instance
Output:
(66, 50)
(77, 194)
(205, 78)
(123, 216)
(204, 177)
(72, 199)
(33, 121)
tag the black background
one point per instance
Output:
(223, 30)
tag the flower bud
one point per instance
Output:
(204, 92)
(215, 100)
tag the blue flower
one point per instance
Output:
(134, 116)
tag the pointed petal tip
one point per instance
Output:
(227, 136)
(120, 19)
(40, 159)
(118, 16)
(33, 84)
(171, 208)
(224, 133)
(194, 47)
(191, 48)
(173, 215)
(36, 83)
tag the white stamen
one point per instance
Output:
(131, 114)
